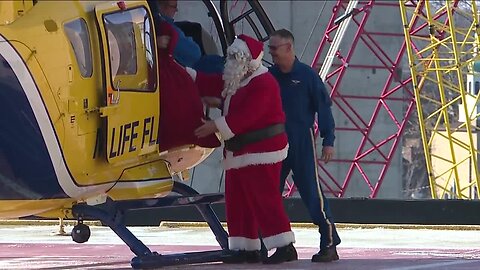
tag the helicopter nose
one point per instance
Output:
(26, 168)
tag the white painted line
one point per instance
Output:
(433, 265)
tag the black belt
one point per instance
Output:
(239, 141)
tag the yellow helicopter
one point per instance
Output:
(79, 116)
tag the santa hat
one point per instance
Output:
(252, 47)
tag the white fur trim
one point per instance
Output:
(235, 162)
(256, 63)
(192, 72)
(261, 70)
(279, 240)
(226, 105)
(223, 127)
(243, 243)
(239, 46)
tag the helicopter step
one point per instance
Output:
(111, 212)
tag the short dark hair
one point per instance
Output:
(283, 33)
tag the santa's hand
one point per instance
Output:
(212, 102)
(192, 72)
(206, 129)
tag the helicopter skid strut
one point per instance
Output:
(111, 214)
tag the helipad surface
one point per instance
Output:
(34, 247)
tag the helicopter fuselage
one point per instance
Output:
(80, 107)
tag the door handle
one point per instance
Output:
(116, 98)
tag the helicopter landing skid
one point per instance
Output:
(110, 214)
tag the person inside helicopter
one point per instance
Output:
(195, 48)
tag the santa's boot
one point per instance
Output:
(283, 254)
(242, 256)
(253, 256)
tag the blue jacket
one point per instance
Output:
(303, 95)
(187, 52)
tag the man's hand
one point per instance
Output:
(163, 41)
(206, 129)
(327, 153)
(212, 102)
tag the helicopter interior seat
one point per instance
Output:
(199, 35)
(211, 61)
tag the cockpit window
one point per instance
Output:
(77, 33)
(130, 47)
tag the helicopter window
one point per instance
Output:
(130, 43)
(77, 33)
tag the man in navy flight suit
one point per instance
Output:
(303, 96)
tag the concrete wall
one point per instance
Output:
(308, 20)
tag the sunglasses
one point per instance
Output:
(275, 47)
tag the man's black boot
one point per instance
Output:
(326, 255)
(283, 254)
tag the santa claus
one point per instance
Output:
(252, 126)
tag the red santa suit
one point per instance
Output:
(253, 203)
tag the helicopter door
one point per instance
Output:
(130, 75)
(245, 17)
(217, 21)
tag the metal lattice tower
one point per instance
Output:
(390, 103)
(442, 61)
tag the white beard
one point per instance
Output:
(234, 72)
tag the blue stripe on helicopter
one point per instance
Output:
(26, 169)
